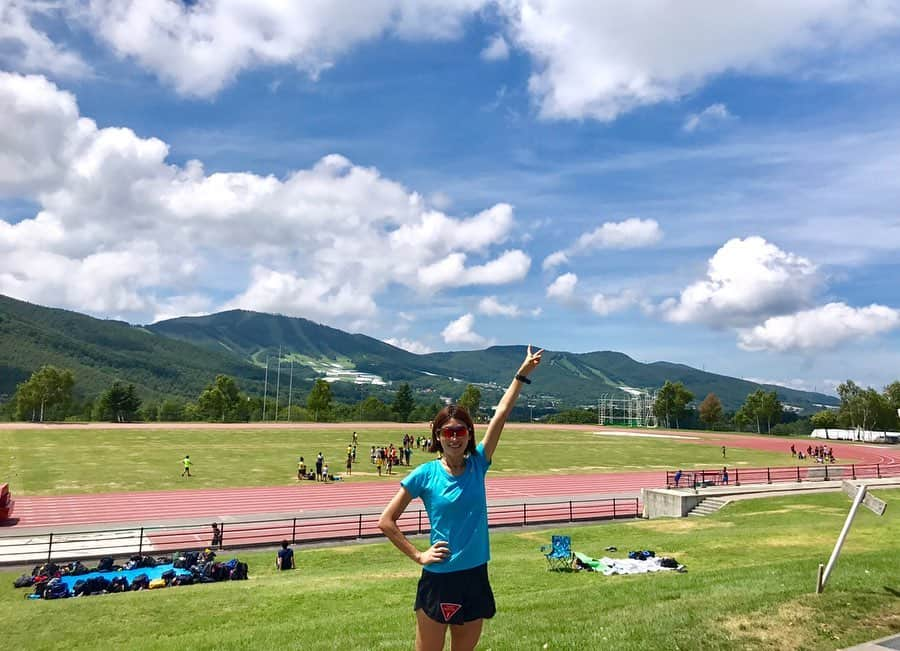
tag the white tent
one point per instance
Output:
(856, 435)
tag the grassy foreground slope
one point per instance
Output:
(749, 586)
(58, 461)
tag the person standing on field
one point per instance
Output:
(187, 465)
(454, 591)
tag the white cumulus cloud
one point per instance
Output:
(605, 304)
(25, 48)
(497, 49)
(121, 231)
(590, 58)
(631, 233)
(563, 288)
(452, 272)
(410, 345)
(461, 331)
(490, 306)
(199, 48)
(747, 280)
(712, 114)
(819, 328)
(597, 59)
(555, 259)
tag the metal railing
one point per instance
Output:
(163, 540)
(797, 474)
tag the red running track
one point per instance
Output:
(302, 498)
(307, 498)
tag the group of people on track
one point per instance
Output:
(820, 453)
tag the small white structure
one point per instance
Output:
(866, 435)
(634, 410)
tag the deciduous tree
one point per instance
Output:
(221, 400)
(710, 410)
(763, 406)
(319, 399)
(471, 400)
(771, 409)
(46, 388)
(671, 402)
(827, 418)
(374, 409)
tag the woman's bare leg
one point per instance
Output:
(464, 637)
(429, 633)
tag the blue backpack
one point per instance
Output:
(56, 590)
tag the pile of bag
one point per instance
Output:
(197, 567)
(204, 568)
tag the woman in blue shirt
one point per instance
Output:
(454, 590)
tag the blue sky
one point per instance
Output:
(681, 183)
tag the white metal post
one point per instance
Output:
(840, 541)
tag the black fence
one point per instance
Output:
(164, 540)
(818, 472)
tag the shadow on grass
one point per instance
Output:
(892, 591)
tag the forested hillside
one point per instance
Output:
(101, 351)
(179, 357)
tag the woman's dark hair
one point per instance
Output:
(451, 412)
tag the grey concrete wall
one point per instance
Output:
(667, 503)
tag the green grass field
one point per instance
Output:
(750, 581)
(53, 462)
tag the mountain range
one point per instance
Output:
(179, 357)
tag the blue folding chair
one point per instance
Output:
(559, 553)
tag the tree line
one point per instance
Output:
(764, 413)
(48, 396)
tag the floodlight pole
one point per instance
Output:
(290, 389)
(265, 390)
(277, 384)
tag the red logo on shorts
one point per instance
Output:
(449, 610)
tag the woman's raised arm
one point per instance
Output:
(495, 428)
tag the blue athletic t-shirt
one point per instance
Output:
(457, 510)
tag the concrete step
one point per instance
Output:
(707, 507)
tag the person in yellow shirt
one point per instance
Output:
(187, 465)
(301, 469)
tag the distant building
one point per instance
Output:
(835, 434)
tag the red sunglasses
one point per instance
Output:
(454, 431)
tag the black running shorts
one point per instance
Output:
(456, 597)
